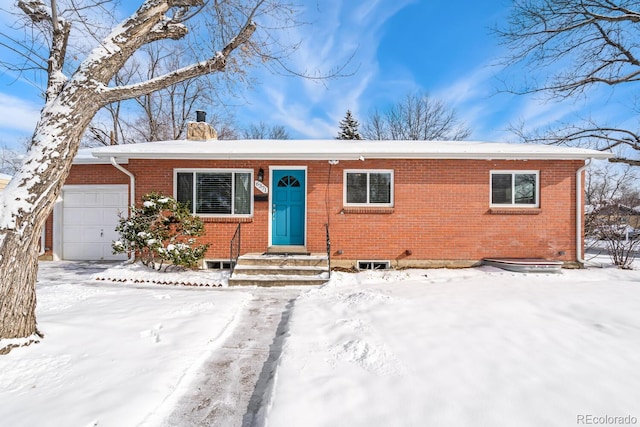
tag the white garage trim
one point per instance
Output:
(86, 231)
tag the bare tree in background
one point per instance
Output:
(579, 45)
(108, 126)
(166, 112)
(612, 212)
(224, 124)
(158, 116)
(227, 39)
(10, 160)
(264, 131)
(417, 117)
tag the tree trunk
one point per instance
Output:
(26, 203)
(18, 269)
(70, 105)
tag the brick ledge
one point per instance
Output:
(225, 220)
(515, 211)
(366, 210)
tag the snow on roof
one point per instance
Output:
(341, 150)
(5, 177)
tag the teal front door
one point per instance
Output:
(288, 207)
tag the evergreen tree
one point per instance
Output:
(349, 127)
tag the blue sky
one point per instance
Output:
(441, 47)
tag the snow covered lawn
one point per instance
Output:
(113, 354)
(472, 347)
(475, 347)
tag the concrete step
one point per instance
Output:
(319, 260)
(280, 270)
(277, 280)
(289, 270)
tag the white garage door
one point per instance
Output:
(89, 218)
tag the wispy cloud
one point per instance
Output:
(17, 114)
(339, 34)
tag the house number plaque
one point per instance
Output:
(261, 187)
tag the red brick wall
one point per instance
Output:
(96, 175)
(441, 209)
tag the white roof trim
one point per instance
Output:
(342, 150)
(85, 157)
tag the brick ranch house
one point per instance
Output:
(402, 203)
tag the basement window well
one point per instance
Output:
(217, 264)
(374, 265)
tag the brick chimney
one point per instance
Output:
(200, 130)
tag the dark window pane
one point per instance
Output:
(289, 181)
(213, 193)
(242, 196)
(356, 188)
(379, 188)
(184, 192)
(501, 189)
(525, 189)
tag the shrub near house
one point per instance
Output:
(161, 231)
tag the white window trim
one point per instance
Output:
(513, 181)
(216, 170)
(368, 204)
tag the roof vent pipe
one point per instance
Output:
(201, 116)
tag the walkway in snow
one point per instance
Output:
(232, 387)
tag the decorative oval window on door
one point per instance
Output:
(288, 181)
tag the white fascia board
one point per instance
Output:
(123, 157)
(97, 160)
(344, 150)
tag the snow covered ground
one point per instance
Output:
(473, 347)
(464, 347)
(113, 354)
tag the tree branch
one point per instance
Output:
(39, 14)
(596, 36)
(215, 64)
(627, 161)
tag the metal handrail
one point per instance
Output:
(234, 251)
(326, 226)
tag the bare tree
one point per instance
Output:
(9, 160)
(225, 125)
(264, 131)
(581, 45)
(108, 126)
(227, 40)
(612, 218)
(417, 117)
(166, 112)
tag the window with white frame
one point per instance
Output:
(368, 188)
(216, 192)
(515, 188)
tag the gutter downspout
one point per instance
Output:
(132, 191)
(580, 212)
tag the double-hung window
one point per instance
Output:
(515, 189)
(368, 188)
(216, 192)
